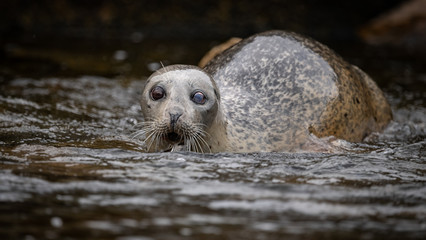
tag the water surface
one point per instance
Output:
(68, 170)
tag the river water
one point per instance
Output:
(69, 170)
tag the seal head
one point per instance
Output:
(179, 104)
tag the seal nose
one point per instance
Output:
(173, 119)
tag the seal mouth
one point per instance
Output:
(173, 137)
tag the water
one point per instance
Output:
(68, 170)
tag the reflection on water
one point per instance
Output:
(69, 170)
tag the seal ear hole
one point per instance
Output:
(157, 93)
(198, 97)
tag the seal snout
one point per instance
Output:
(174, 117)
(173, 136)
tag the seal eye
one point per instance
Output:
(199, 98)
(157, 93)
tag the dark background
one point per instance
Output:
(63, 37)
(97, 19)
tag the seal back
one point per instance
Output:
(278, 88)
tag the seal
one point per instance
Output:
(272, 92)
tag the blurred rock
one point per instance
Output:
(403, 26)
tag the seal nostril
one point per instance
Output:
(174, 118)
(174, 137)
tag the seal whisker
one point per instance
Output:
(139, 133)
(145, 123)
(156, 140)
(165, 71)
(145, 131)
(136, 134)
(188, 142)
(200, 134)
(149, 144)
(200, 125)
(151, 137)
(197, 142)
(199, 129)
(194, 142)
(146, 127)
(201, 140)
(159, 136)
